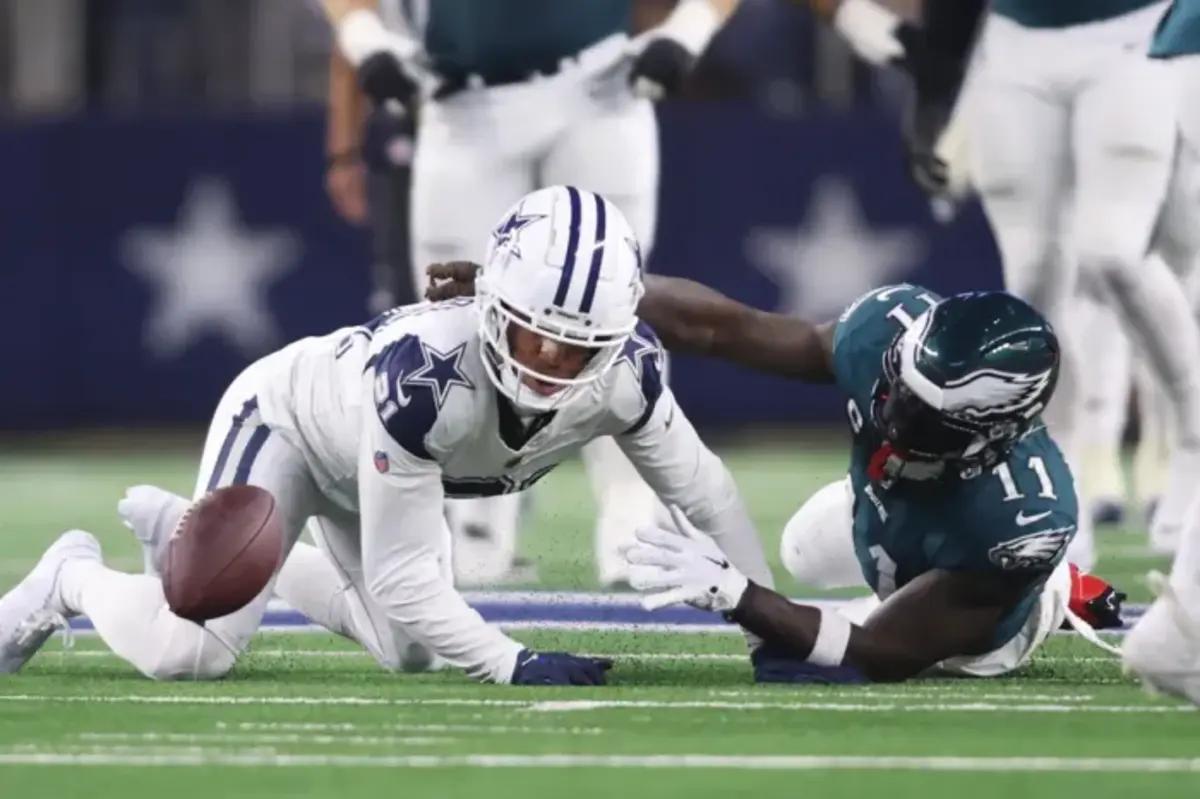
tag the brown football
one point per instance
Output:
(223, 553)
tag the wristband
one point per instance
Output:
(870, 29)
(692, 24)
(833, 638)
(343, 158)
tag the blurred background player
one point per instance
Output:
(367, 176)
(513, 95)
(1164, 646)
(1071, 137)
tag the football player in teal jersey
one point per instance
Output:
(958, 507)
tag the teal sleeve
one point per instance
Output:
(865, 330)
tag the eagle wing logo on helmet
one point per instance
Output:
(990, 392)
(1040, 550)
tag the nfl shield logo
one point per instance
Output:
(381, 462)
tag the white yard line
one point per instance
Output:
(195, 757)
(861, 692)
(612, 704)
(718, 657)
(264, 738)
(572, 705)
(352, 727)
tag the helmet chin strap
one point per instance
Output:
(889, 464)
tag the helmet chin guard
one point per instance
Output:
(563, 264)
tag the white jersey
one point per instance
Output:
(398, 414)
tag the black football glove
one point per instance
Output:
(936, 82)
(382, 77)
(660, 69)
(774, 665)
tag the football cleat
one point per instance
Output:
(1094, 600)
(34, 609)
(153, 515)
(1163, 648)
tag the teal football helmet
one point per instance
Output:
(966, 379)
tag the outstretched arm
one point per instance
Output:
(691, 317)
(938, 615)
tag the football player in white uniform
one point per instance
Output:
(367, 429)
(512, 95)
(1072, 134)
(1164, 646)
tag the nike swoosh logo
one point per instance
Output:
(1023, 520)
(402, 399)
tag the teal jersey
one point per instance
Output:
(1179, 32)
(1017, 516)
(1064, 13)
(516, 37)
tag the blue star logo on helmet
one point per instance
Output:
(507, 233)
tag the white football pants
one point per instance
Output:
(1185, 572)
(1072, 136)
(817, 548)
(1106, 350)
(477, 153)
(130, 612)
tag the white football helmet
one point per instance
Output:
(565, 264)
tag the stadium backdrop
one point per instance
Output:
(117, 312)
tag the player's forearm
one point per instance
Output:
(691, 317)
(424, 603)
(797, 629)
(729, 525)
(347, 107)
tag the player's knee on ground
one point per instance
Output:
(189, 652)
(407, 656)
(817, 547)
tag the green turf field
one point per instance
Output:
(47, 490)
(307, 715)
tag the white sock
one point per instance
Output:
(1185, 571)
(1152, 457)
(1160, 319)
(1104, 394)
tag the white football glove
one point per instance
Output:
(673, 568)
